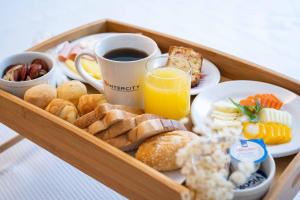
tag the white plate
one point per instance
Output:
(175, 175)
(90, 41)
(212, 76)
(241, 89)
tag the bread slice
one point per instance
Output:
(103, 108)
(177, 54)
(121, 142)
(85, 120)
(152, 127)
(144, 130)
(118, 128)
(126, 125)
(100, 111)
(111, 117)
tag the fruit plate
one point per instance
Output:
(240, 89)
(113, 167)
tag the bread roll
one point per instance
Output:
(63, 109)
(160, 151)
(40, 95)
(89, 102)
(71, 91)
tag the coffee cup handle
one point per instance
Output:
(88, 78)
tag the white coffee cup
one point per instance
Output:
(122, 81)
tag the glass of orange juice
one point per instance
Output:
(167, 88)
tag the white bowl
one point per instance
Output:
(19, 88)
(268, 166)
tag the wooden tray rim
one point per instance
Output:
(173, 190)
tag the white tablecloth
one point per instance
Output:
(264, 32)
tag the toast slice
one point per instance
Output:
(126, 125)
(194, 59)
(100, 111)
(111, 117)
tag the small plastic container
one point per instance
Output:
(253, 151)
(248, 150)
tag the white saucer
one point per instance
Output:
(211, 77)
(241, 89)
(90, 41)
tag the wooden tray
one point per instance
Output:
(113, 167)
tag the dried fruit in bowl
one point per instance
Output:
(24, 72)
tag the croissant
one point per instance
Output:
(89, 102)
(63, 109)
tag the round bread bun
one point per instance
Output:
(40, 95)
(159, 152)
(71, 91)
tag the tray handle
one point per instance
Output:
(288, 184)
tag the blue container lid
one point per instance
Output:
(253, 150)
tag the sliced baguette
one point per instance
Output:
(144, 130)
(111, 117)
(125, 125)
(99, 112)
(121, 142)
(85, 120)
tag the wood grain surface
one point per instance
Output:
(84, 151)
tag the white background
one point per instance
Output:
(264, 32)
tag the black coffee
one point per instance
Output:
(125, 54)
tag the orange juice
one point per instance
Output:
(167, 92)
